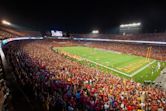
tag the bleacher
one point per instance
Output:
(4, 91)
(8, 32)
(62, 84)
(143, 37)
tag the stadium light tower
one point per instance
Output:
(5, 22)
(95, 31)
(130, 25)
(130, 28)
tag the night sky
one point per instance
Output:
(82, 16)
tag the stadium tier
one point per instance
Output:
(8, 32)
(67, 75)
(144, 37)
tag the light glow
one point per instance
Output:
(6, 22)
(130, 25)
(95, 31)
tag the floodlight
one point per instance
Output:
(130, 25)
(6, 22)
(95, 32)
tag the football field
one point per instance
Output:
(129, 66)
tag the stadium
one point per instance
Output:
(59, 70)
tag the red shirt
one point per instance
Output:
(129, 108)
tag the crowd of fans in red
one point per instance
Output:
(65, 85)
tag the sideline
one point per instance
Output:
(142, 68)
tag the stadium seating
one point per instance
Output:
(62, 84)
(144, 37)
(6, 32)
(4, 91)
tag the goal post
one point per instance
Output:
(148, 54)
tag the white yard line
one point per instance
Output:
(123, 73)
(107, 67)
(126, 74)
(112, 51)
(142, 68)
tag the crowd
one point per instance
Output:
(64, 85)
(4, 35)
(4, 91)
(144, 37)
(8, 32)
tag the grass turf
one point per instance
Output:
(122, 62)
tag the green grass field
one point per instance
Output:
(124, 65)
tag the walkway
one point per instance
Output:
(161, 80)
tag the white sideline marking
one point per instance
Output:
(108, 67)
(142, 68)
